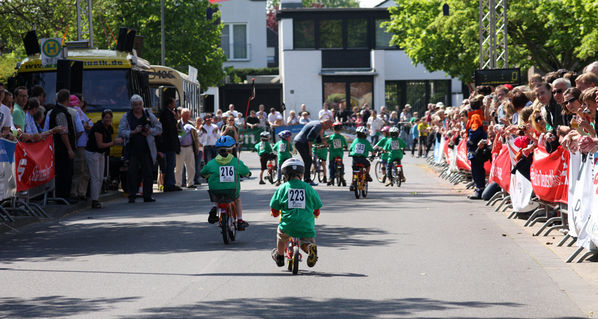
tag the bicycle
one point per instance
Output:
(272, 171)
(360, 182)
(227, 219)
(396, 175)
(317, 169)
(379, 169)
(338, 172)
(292, 252)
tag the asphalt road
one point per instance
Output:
(421, 250)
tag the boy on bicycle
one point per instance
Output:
(321, 152)
(283, 148)
(394, 147)
(336, 144)
(264, 150)
(380, 146)
(359, 150)
(223, 174)
(297, 203)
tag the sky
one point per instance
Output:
(368, 3)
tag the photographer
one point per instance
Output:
(138, 127)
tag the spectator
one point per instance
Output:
(406, 114)
(343, 115)
(476, 140)
(38, 92)
(168, 144)
(584, 81)
(80, 170)
(375, 124)
(365, 112)
(325, 112)
(262, 116)
(393, 120)
(32, 107)
(18, 115)
(219, 121)
(64, 143)
(274, 118)
(185, 159)
(553, 110)
(141, 147)
(293, 119)
(208, 135)
(384, 114)
(96, 152)
(239, 120)
(304, 109)
(231, 130)
(5, 115)
(252, 120)
(304, 118)
(303, 143)
(199, 154)
(231, 111)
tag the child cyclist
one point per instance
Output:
(395, 148)
(359, 150)
(380, 146)
(297, 203)
(283, 148)
(336, 144)
(320, 151)
(264, 150)
(223, 174)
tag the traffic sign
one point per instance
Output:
(498, 76)
(51, 49)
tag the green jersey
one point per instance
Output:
(394, 147)
(321, 153)
(380, 144)
(263, 148)
(283, 148)
(360, 147)
(337, 143)
(223, 172)
(296, 201)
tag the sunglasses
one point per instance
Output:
(557, 91)
(570, 101)
(539, 118)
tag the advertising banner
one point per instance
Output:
(34, 163)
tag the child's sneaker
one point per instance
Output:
(279, 259)
(262, 182)
(241, 225)
(368, 178)
(213, 218)
(312, 258)
(277, 183)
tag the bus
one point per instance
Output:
(165, 82)
(110, 78)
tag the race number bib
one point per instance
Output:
(394, 145)
(336, 143)
(359, 148)
(282, 148)
(262, 146)
(227, 174)
(296, 198)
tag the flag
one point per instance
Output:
(252, 93)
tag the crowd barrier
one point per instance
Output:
(26, 176)
(561, 191)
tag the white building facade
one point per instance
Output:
(344, 55)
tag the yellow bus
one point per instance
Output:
(167, 82)
(110, 78)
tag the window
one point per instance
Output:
(234, 41)
(357, 33)
(382, 37)
(357, 90)
(304, 34)
(417, 93)
(331, 34)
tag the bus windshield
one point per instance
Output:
(102, 89)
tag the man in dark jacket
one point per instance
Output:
(64, 144)
(169, 144)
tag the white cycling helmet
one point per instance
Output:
(362, 129)
(394, 129)
(292, 167)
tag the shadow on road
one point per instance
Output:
(295, 307)
(55, 306)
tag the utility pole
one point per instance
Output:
(89, 20)
(79, 20)
(162, 33)
(493, 34)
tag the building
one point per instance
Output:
(343, 54)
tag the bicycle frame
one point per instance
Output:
(359, 176)
(227, 220)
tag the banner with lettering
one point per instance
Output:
(34, 163)
(520, 190)
(7, 157)
(583, 199)
(462, 161)
(249, 137)
(549, 175)
(500, 171)
(574, 200)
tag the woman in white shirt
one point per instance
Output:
(292, 119)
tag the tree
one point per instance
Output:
(190, 38)
(539, 35)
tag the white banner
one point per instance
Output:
(574, 167)
(8, 184)
(521, 191)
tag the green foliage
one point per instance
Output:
(546, 34)
(7, 66)
(240, 75)
(190, 38)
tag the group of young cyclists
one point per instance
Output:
(295, 201)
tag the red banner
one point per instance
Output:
(549, 175)
(462, 161)
(34, 163)
(501, 169)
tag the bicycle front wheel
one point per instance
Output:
(295, 260)
(379, 172)
(364, 191)
(399, 174)
(356, 189)
(224, 225)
